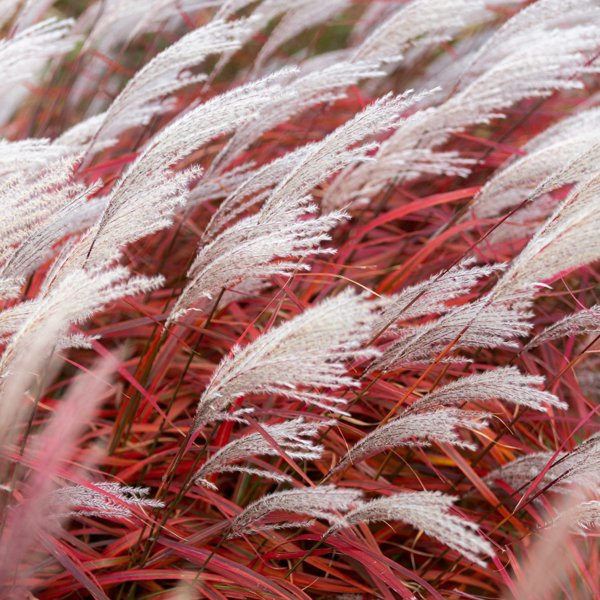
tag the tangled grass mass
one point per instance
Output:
(299, 299)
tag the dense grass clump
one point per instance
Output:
(298, 299)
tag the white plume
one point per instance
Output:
(304, 359)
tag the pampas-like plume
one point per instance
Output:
(52, 453)
(325, 85)
(429, 512)
(249, 248)
(303, 359)
(75, 216)
(579, 468)
(295, 438)
(555, 59)
(568, 239)
(507, 384)
(358, 185)
(415, 430)
(323, 502)
(30, 366)
(574, 126)
(109, 26)
(525, 469)
(584, 321)
(30, 153)
(221, 185)
(69, 301)
(547, 154)
(523, 223)
(256, 248)
(420, 22)
(540, 15)
(336, 151)
(253, 190)
(301, 15)
(298, 172)
(80, 137)
(30, 200)
(101, 499)
(109, 23)
(151, 178)
(479, 324)
(432, 296)
(169, 71)
(582, 518)
(578, 169)
(22, 55)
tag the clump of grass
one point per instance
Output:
(299, 299)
